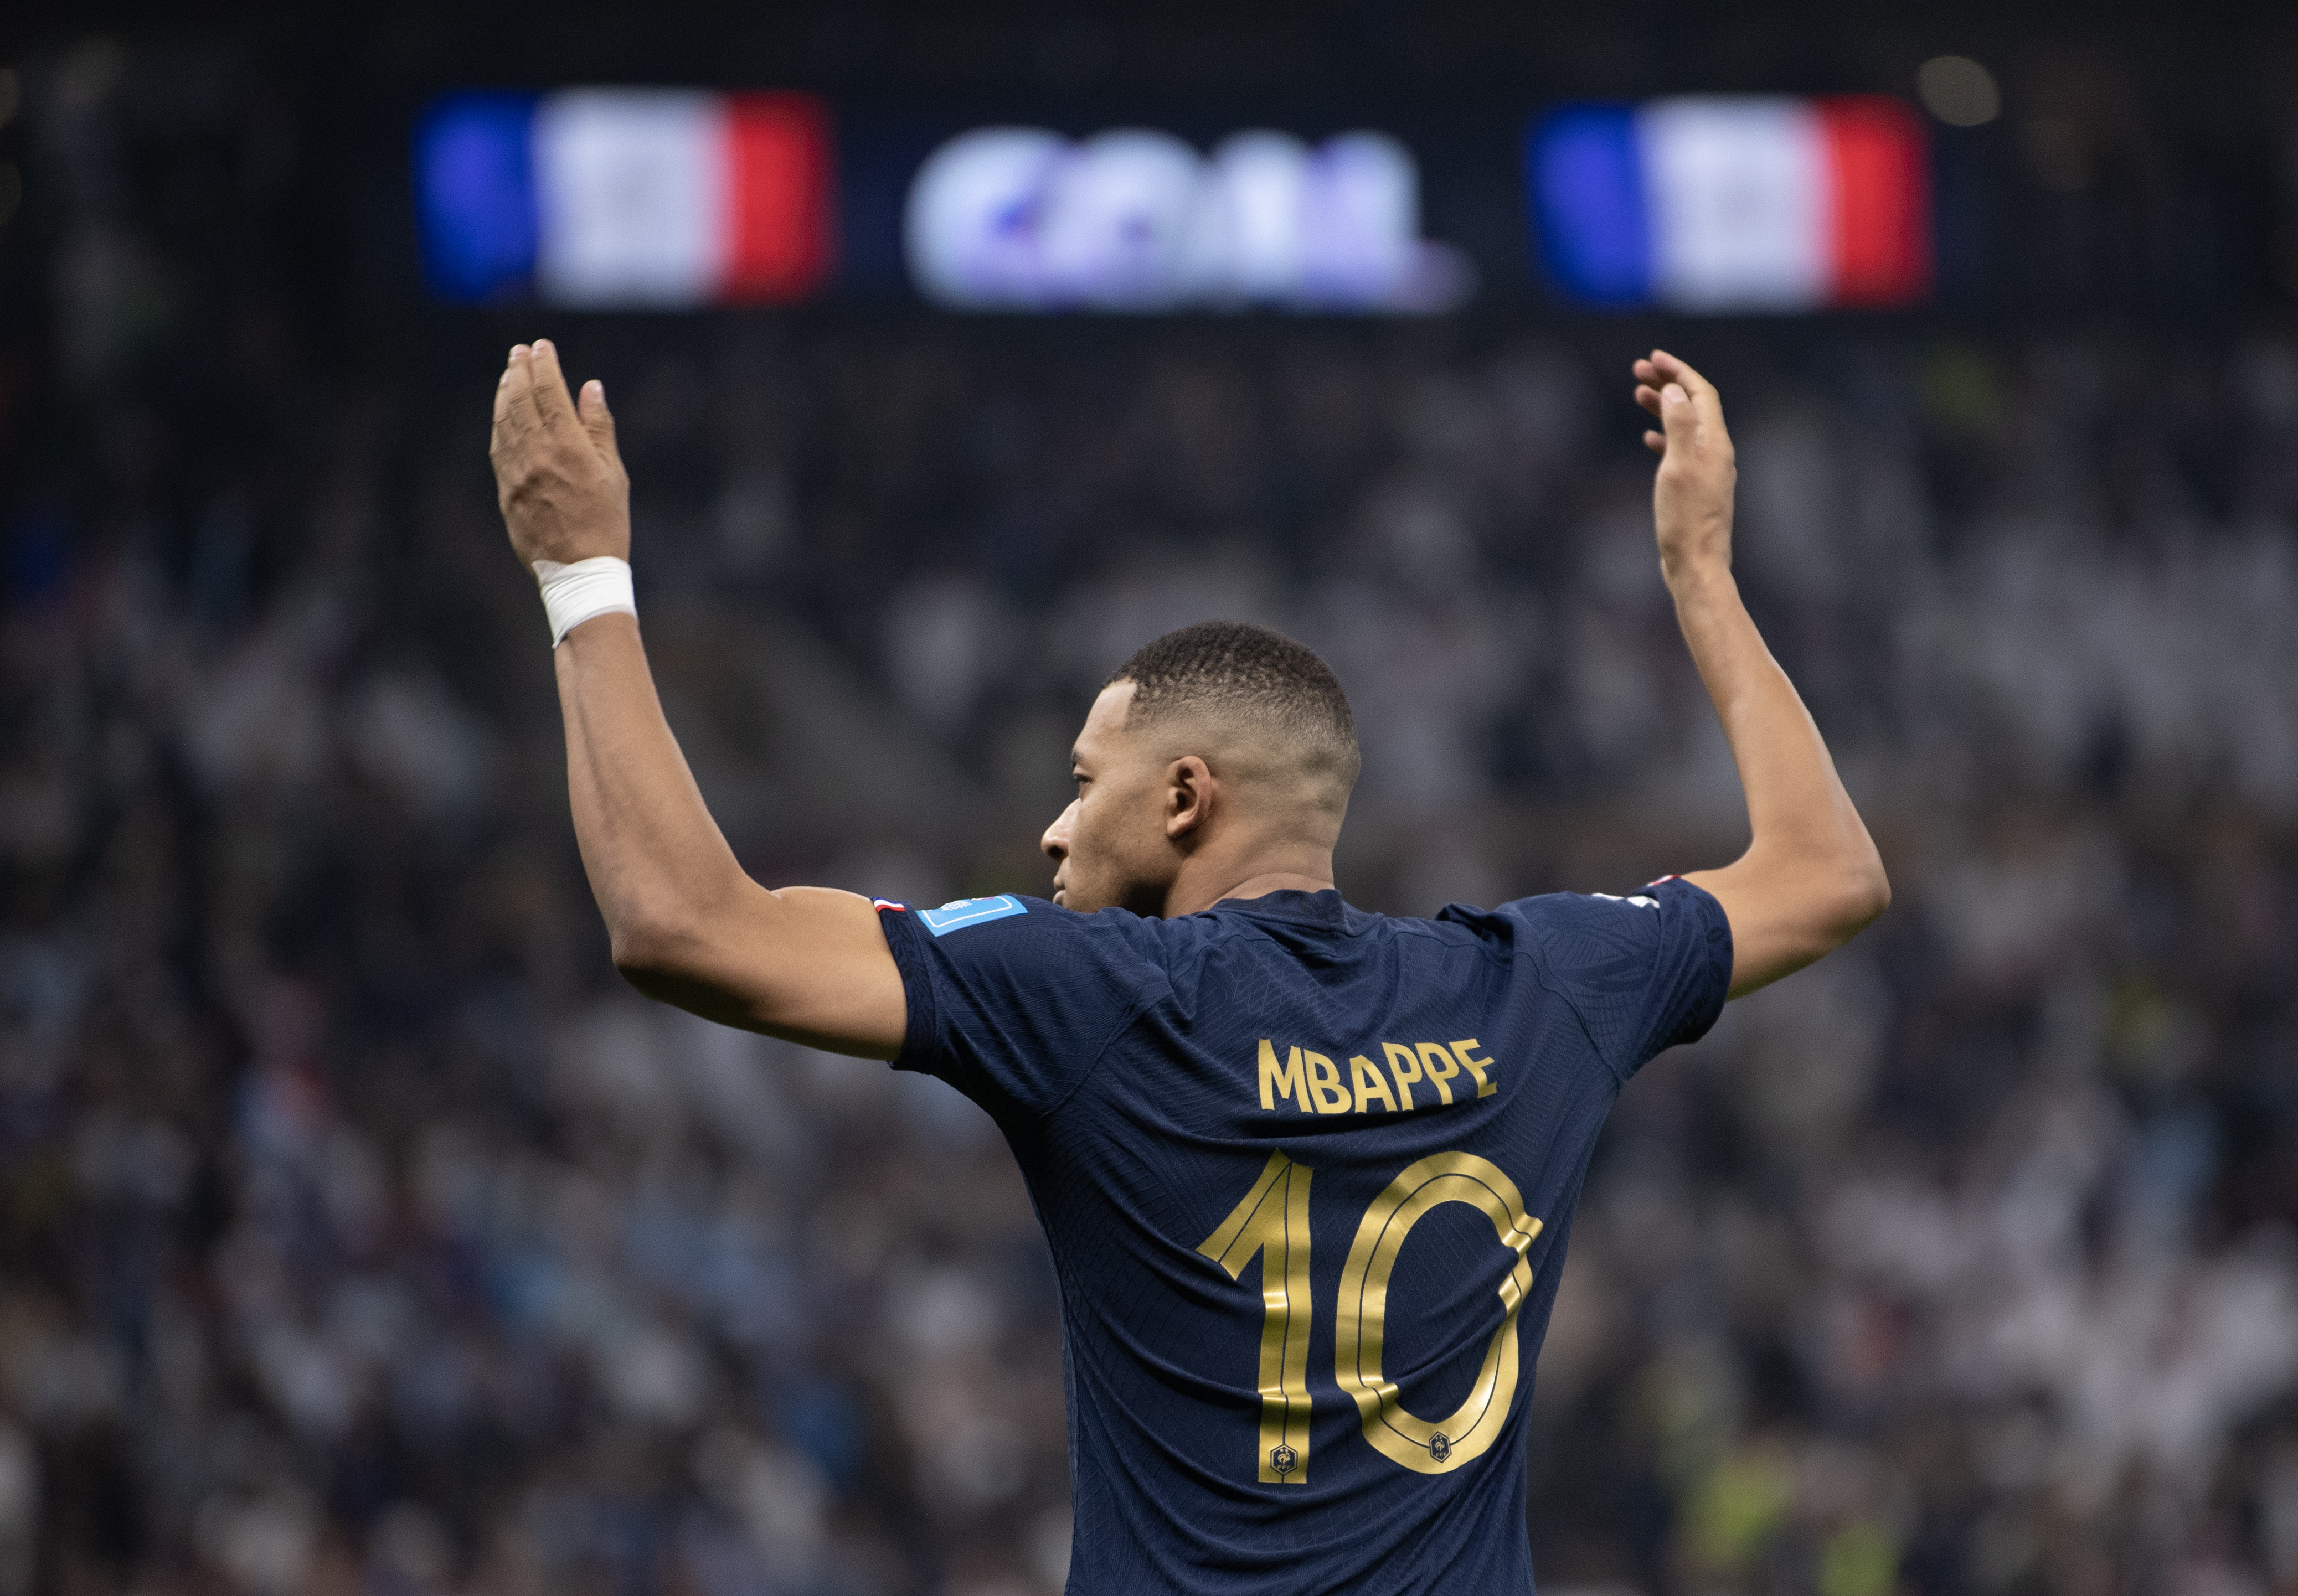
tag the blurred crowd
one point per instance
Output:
(360, 1233)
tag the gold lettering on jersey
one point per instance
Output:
(1287, 1082)
(1474, 1066)
(1436, 1059)
(1324, 1084)
(1272, 1223)
(1404, 1063)
(1312, 1083)
(1366, 1078)
(1361, 1326)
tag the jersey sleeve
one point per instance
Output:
(1642, 971)
(1013, 999)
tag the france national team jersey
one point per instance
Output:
(1307, 1174)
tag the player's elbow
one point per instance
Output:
(670, 966)
(1834, 896)
(1859, 895)
(653, 951)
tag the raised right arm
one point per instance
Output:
(686, 924)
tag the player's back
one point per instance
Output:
(1307, 1174)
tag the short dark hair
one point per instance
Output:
(1233, 667)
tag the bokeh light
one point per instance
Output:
(1959, 91)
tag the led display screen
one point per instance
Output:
(607, 199)
(1018, 219)
(667, 199)
(1733, 203)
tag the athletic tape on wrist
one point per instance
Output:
(583, 591)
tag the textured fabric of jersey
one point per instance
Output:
(1307, 1174)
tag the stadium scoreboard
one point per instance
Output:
(670, 199)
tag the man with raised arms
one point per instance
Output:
(1307, 1172)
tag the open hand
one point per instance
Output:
(1691, 496)
(559, 477)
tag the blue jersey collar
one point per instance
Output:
(1321, 908)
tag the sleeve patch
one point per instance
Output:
(969, 911)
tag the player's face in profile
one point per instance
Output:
(1109, 847)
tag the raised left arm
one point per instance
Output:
(1811, 878)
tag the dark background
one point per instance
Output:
(359, 1231)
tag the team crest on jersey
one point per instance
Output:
(1283, 1459)
(1440, 1446)
(969, 911)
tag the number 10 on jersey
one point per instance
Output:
(1273, 1222)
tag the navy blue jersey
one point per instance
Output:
(1307, 1174)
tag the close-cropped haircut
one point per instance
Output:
(1261, 680)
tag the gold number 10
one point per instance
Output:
(1273, 1222)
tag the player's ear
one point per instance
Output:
(1188, 795)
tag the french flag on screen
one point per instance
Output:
(1734, 203)
(643, 199)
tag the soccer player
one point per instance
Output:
(1307, 1172)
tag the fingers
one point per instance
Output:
(1657, 442)
(1670, 368)
(1705, 400)
(599, 421)
(1663, 383)
(1678, 414)
(1661, 369)
(1653, 374)
(515, 395)
(514, 416)
(532, 397)
(553, 405)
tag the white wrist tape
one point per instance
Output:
(583, 591)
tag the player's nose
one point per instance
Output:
(1056, 840)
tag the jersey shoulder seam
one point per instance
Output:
(1133, 1012)
(1140, 1004)
(1414, 925)
(1045, 1115)
(1545, 976)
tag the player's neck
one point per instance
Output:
(1202, 883)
